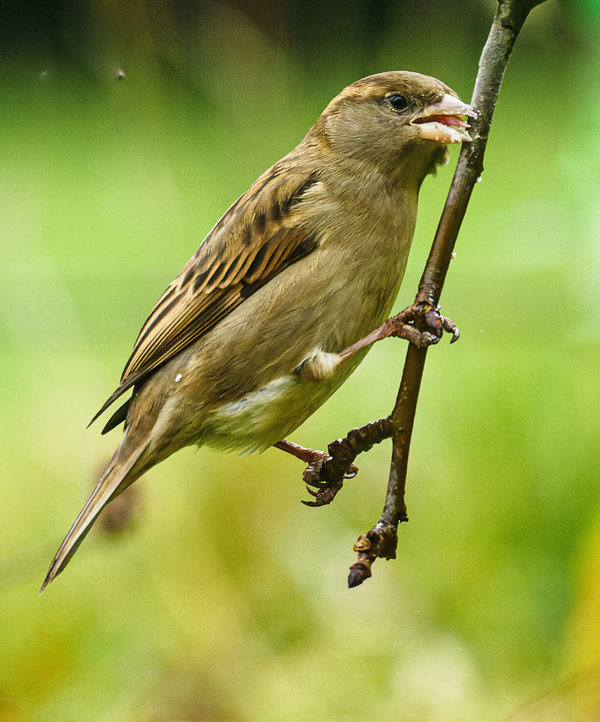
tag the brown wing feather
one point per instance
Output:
(253, 242)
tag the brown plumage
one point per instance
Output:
(244, 344)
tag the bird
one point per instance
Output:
(249, 339)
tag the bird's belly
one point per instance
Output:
(263, 417)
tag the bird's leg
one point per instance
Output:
(326, 488)
(300, 452)
(421, 324)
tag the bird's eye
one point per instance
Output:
(398, 102)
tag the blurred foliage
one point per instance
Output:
(226, 598)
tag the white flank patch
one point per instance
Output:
(259, 401)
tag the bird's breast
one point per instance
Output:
(361, 261)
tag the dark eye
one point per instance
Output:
(398, 102)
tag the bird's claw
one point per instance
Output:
(450, 327)
(422, 325)
(435, 324)
(325, 495)
(324, 492)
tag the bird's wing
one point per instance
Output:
(253, 242)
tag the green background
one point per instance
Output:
(224, 598)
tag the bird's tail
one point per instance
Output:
(112, 482)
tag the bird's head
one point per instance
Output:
(400, 122)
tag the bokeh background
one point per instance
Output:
(222, 597)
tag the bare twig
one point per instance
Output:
(381, 540)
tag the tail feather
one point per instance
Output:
(112, 482)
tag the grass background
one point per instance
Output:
(226, 599)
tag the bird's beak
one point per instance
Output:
(444, 122)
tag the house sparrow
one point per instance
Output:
(249, 339)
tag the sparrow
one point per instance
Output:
(249, 339)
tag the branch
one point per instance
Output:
(381, 540)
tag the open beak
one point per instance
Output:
(445, 122)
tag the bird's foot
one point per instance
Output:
(324, 490)
(421, 324)
(326, 472)
(319, 473)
